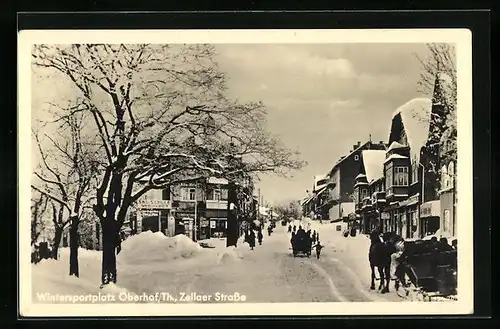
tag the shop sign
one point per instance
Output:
(149, 213)
(430, 209)
(154, 204)
(410, 201)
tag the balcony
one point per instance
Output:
(397, 192)
(367, 203)
(378, 197)
(216, 204)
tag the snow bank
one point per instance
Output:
(230, 255)
(154, 247)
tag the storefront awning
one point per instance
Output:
(430, 209)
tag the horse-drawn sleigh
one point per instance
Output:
(425, 267)
(301, 245)
(428, 268)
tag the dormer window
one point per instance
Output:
(356, 157)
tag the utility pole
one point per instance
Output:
(232, 227)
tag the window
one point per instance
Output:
(401, 176)
(451, 172)
(446, 221)
(224, 194)
(388, 177)
(364, 193)
(217, 195)
(414, 172)
(192, 194)
(444, 177)
(356, 157)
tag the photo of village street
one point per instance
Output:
(244, 173)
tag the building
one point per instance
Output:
(340, 187)
(369, 190)
(405, 168)
(214, 221)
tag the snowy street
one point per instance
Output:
(150, 263)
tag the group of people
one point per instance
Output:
(250, 235)
(300, 233)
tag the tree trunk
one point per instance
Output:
(57, 241)
(109, 234)
(73, 247)
(232, 226)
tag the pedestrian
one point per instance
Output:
(259, 236)
(318, 248)
(294, 228)
(314, 237)
(289, 228)
(251, 239)
(269, 230)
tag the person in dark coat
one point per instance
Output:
(259, 237)
(301, 232)
(294, 228)
(269, 230)
(289, 228)
(318, 248)
(313, 238)
(251, 239)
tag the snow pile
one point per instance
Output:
(150, 247)
(230, 255)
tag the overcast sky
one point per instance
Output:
(322, 98)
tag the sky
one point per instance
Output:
(321, 98)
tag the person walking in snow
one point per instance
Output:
(318, 248)
(251, 239)
(259, 236)
(289, 228)
(294, 228)
(313, 238)
(269, 230)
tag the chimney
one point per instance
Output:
(359, 144)
(354, 147)
(381, 142)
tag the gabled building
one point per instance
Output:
(369, 190)
(403, 168)
(342, 177)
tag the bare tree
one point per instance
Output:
(439, 78)
(162, 119)
(68, 168)
(39, 205)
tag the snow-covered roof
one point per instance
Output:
(395, 145)
(317, 181)
(320, 191)
(360, 176)
(395, 156)
(415, 116)
(373, 161)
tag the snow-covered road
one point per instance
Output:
(151, 263)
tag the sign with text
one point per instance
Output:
(154, 204)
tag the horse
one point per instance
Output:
(380, 257)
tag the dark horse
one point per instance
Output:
(380, 257)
